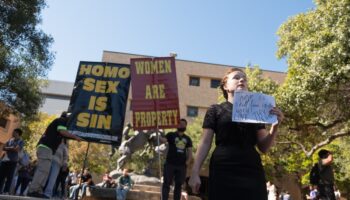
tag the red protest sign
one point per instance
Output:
(154, 93)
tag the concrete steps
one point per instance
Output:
(147, 188)
(138, 192)
(13, 197)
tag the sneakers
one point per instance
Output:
(37, 194)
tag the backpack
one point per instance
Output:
(315, 175)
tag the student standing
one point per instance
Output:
(235, 169)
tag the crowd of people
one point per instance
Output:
(49, 176)
(235, 168)
(18, 171)
(45, 177)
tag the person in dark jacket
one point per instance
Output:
(326, 182)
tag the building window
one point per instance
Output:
(3, 122)
(194, 81)
(214, 83)
(192, 111)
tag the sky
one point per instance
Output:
(229, 32)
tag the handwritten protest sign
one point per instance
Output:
(251, 107)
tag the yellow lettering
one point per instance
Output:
(148, 92)
(148, 119)
(175, 117)
(169, 114)
(101, 104)
(100, 86)
(89, 84)
(161, 69)
(112, 86)
(155, 92)
(167, 66)
(104, 122)
(93, 120)
(124, 72)
(92, 102)
(83, 119)
(139, 67)
(143, 119)
(147, 68)
(164, 119)
(161, 91)
(137, 119)
(154, 67)
(159, 118)
(110, 72)
(85, 69)
(154, 117)
(97, 70)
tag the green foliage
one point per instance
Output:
(24, 56)
(342, 164)
(195, 130)
(315, 95)
(316, 45)
(98, 160)
(33, 130)
(258, 83)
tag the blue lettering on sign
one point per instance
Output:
(253, 107)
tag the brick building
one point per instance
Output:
(197, 86)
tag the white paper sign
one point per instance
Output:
(252, 107)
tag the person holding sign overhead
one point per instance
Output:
(235, 169)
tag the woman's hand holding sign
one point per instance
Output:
(276, 111)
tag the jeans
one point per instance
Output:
(74, 190)
(121, 192)
(55, 169)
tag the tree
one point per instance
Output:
(98, 160)
(316, 93)
(258, 83)
(194, 131)
(24, 56)
(33, 130)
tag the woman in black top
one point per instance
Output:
(235, 170)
